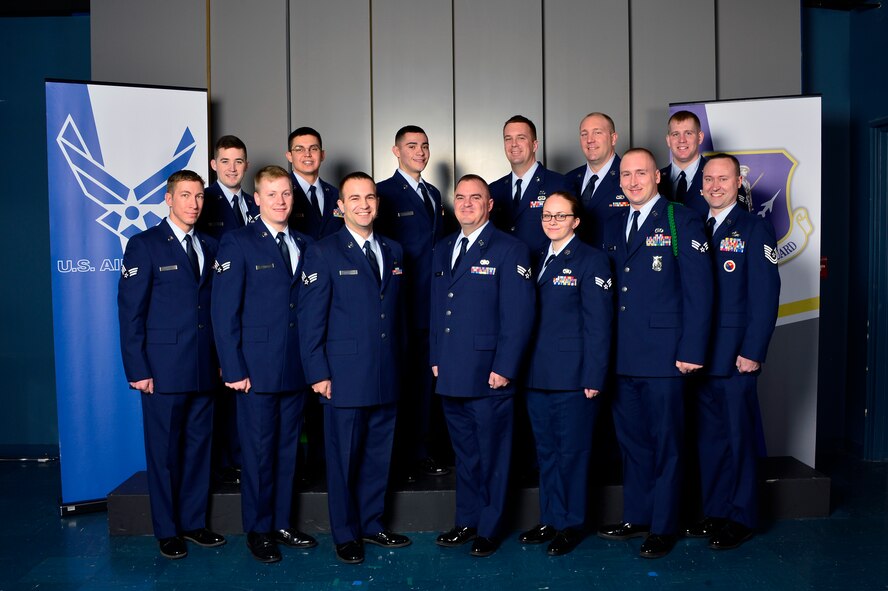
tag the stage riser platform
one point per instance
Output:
(789, 490)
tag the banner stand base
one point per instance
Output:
(81, 508)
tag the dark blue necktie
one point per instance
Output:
(192, 256)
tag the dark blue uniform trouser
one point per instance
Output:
(178, 434)
(563, 425)
(727, 414)
(481, 433)
(358, 444)
(269, 427)
(649, 420)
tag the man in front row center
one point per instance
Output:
(166, 339)
(482, 317)
(350, 336)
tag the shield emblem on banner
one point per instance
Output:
(767, 182)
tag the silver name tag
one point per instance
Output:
(404, 214)
(348, 272)
(168, 268)
(263, 267)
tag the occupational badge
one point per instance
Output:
(657, 264)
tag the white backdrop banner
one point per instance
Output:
(777, 141)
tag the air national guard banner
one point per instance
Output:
(777, 142)
(110, 150)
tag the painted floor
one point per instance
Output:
(847, 551)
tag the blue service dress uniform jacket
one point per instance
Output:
(482, 317)
(351, 332)
(570, 352)
(664, 300)
(747, 292)
(304, 218)
(523, 222)
(255, 301)
(166, 334)
(217, 216)
(607, 201)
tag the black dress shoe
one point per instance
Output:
(350, 552)
(705, 528)
(656, 546)
(623, 531)
(430, 467)
(564, 542)
(294, 538)
(537, 535)
(263, 547)
(172, 547)
(388, 539)
(482, 547)
(456, 537)
(730, 536)
(204, 537)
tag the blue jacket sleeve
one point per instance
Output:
(314, 310)
(598, 310)
(517, 310)
(695, 270)
(763, 299)
(227, 307)
(133, 298)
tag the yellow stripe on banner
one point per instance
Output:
(798, 307)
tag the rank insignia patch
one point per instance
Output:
(127, 273)
(700, 247)
(605, 285)
(771, 254)
(306, 279)
(524, 272)
(221, 267)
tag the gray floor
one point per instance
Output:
(845, 551)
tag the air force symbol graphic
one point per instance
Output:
(127, 210)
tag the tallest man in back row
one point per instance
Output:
(412, 213)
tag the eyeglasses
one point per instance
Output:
(560, 217)
(302, 150)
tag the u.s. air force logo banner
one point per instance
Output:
(110, 150)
